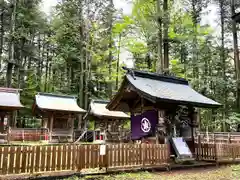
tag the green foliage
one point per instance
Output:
(233, 120)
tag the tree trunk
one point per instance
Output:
(42, 52)
(110, 46)
(222, 57)
(54, 79)
(195, 15)
(183, 57)
(86, 78)
(39, 63)
(165, 36)
(49, 76)
(159, 64)
(81, 73)
(1, 30)
(11, 45)
(21, 62)
(118, 61)
(46, 68)
(236, 56)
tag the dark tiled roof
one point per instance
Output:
(162, 88)
(167, 88)
(156, 76)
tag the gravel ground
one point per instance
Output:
(209, 173)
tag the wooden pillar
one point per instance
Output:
(14, 119)
(142, 105)
(2, 123)
(192, 134)
(80, 117)
(44, 122)
(199, 120)
(109, 127)
(51, 126)
(192, 122)
(106, 121)
(71, 120)
(9, 119)
(94, 124)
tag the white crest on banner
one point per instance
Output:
(145, 125)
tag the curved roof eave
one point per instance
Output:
(98, 108)
(57, 103)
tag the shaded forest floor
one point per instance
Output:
(221, 173)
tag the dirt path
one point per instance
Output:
(207, 173)
(192, 170)
(197, 173)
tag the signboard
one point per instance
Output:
(143, 124)
(102, 149)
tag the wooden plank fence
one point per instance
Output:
(219, 137)
(38, 159)
(205, 152)
(137, 155)
(28, 134)
(217, 152)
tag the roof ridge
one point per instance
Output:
(100, 101)
(156, 76)
(9, 90)
(56, 95)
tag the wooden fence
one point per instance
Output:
(217, 152)
(206, 152)
(28, 134)
(37, 159)
(220, 137)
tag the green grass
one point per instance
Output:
(222, 173)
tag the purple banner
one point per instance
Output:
(143, 125)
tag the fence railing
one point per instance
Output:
(205, 151)
(217, 151)
(220, 137)
(35, 159)
(28, 134)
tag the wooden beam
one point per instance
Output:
(72, 125)
(51, 126)
(80, 118)
(2, 123)
(44, 122)
(136, 102)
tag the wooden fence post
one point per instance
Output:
(229, 138)
(229, 145)
(199, 147)
(232, 146)
(106, 158)
(80, 154)
(23, 135)
(144, 155)
(215, 148)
